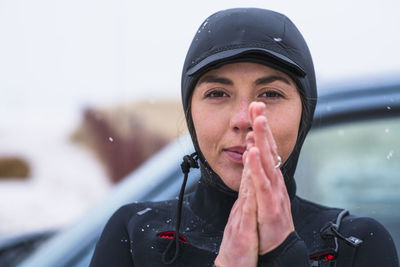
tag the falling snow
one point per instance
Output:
(390, 155)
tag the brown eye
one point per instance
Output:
(216, 94)
(271, 94)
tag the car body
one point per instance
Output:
(359, 104)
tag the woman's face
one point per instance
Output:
(219, 107)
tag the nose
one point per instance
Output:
(240, 118)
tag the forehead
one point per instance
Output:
(245, 71)
(249, 70)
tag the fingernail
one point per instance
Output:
(264, 124)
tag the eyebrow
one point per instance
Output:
(215, 79)
(260, 81)
(271, 79)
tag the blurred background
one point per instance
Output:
(90, 89)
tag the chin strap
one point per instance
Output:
(189, 161)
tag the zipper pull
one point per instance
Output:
(331, 230)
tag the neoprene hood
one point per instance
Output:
(252, 35)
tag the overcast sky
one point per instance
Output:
(84, 52)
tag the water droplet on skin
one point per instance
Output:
(277, 39)
(143, 211)
(110, 139)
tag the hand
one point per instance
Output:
(274, 217)
(260, 219)
(239, 245)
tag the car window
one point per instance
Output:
(355, 166)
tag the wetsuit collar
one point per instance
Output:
(213, 204)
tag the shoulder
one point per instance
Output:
(312, 214)
(307, 213)
(365, 227)
(144, 210)
(373, 233)
(377, 248)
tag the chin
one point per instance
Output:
(232, 180)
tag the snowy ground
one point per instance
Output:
(65, 181)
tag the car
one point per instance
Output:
(350, 159)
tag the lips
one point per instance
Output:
(235, 153)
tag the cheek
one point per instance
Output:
(207, 126)
(286, 141)
(285, 132)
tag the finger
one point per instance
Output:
(244, 157)
(246, 179)
(234, 213)
(243, 182)
(256, 109)
(262, 185)
(249, 210)
(268, 154)
(263, 136)
(249, 139)
(249, 144)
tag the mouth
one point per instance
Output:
(235, 153)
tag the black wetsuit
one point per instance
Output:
(137, 235)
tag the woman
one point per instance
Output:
(249, 93)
